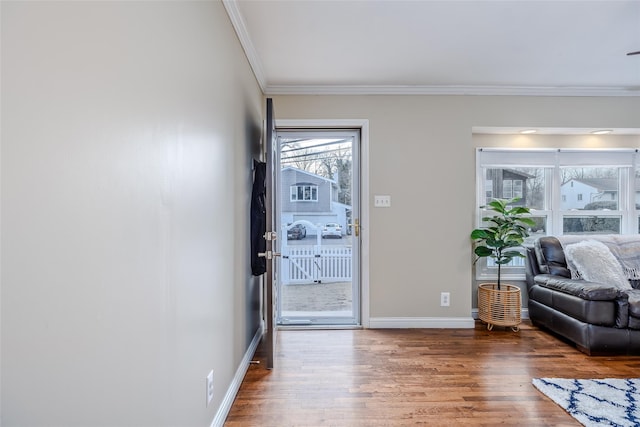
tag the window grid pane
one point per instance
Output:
(517, 188)
(591, 224)
(527, 183)
(592, 188)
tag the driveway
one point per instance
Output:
(316, 297)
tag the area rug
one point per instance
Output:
(595, 403)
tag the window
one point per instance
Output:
(517, 188)
(488, 190)
(568, 191)
(489, 197)
(511, 188)
(507, 189)
(304, 193)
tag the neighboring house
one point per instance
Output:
(506, 184)
(579, 192)
(309, 197)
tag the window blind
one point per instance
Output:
(505, 157)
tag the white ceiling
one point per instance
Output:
(508, 47)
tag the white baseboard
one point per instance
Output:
(430, 322)
(421, 322)
(230, 395)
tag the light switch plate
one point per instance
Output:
(382, 201)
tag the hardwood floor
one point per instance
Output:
(406, 377)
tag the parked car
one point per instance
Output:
(297, 232)
(332, 230)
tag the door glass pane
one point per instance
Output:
(318, 246)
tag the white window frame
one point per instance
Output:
(552, 160)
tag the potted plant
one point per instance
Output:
(506, 230)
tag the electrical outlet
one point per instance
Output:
(445, 299)
(209, 384)
(382, 201)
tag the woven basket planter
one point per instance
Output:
(499, 307)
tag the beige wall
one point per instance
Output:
(422, 153)
(127, 134)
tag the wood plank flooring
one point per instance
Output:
(408, 377)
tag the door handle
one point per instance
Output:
(356, 226)
(268, 254)
(270, 236)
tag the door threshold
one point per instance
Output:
(317, 327)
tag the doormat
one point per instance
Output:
(605, 402)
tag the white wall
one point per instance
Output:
(127, 134)
(422, 154)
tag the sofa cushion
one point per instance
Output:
(581, 288)
(602, 313)
(595, 263)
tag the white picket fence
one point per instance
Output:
(315, 264)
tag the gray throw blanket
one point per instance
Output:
(626, 249)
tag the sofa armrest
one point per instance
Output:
(591, 291)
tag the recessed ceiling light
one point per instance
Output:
(528, 131)
(602, 131)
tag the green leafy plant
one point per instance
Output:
(506, 230)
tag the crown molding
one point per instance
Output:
(448, 90)
(240, 27)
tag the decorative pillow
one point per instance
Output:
(595, 262)
(575, 274)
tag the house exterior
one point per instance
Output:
(309, 197)
(506, 184)
(578, 193)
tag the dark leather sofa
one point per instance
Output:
(598, 318)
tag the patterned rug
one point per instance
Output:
(606, 402)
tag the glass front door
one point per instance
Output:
(318, 221)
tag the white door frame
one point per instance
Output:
(363, 125)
